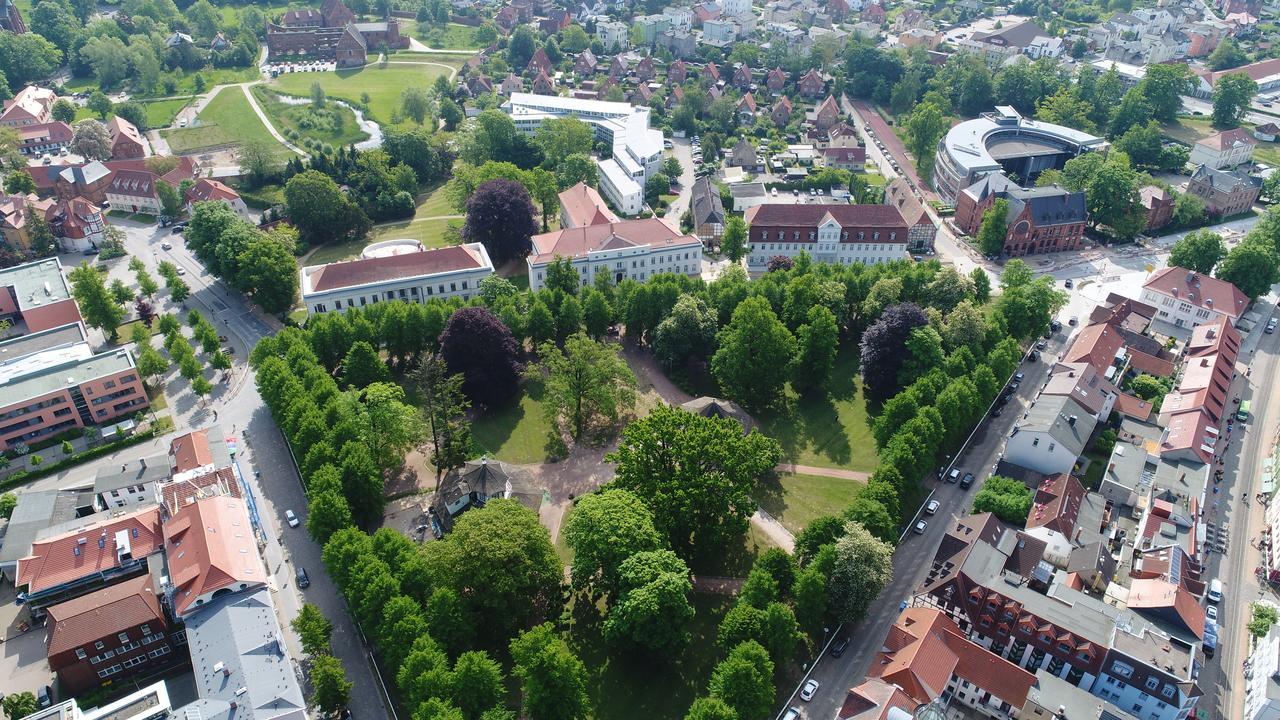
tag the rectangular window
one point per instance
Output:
(81, 654)
(123, 637)
(1152, 684)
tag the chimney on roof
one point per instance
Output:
(1072, 420)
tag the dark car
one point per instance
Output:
(178, 229)
(1055, 326)
(1033, 356)
(839, 647)
(1067, 284)
(303, 580)
(967, 480)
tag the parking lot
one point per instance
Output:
(278, 69)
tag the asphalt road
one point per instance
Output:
(913, 558)
(261, 448)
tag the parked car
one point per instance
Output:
(809, 690)
(1211, 612)
(792, 714)
(303, 581)
(1042, 344)
(290, 518)
(920, 527)
(1068, 284)
(1018, 376)
(966, 481)
(1072, 322)
(953, 476)
(1033, 356)
(840, 645)
(45, 696)
(932, 507)
(166, 245)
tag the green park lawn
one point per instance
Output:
(454, 36)
(160, 113)
(797, 499)
(427, 227)
(228, 119)
(384, 85)
(826, 430)
(431, 233)
(291, 117)
(516, 433)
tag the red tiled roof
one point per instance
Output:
(56, 131)
(206, 189)
(873, 699)
(807, 215)
(1096, 345)
(925, 649)
(1199, 290)
(584, 206)
(1224, 140)
(1153, 594)
(210, 545)
(1057, 504)
(1256, 71)
(190, 451)
(575, 242)
(393, 267)
(133, 183)
(122, 129)
(113, 609)
(63, 558)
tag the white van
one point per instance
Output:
(1215, 591)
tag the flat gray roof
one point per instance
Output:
(36, 283)
(1052, 413)
(37, 510)
(238, 654)
(137, 472)
(968, 143)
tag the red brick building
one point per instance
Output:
(812, 85)
(834, 233)
(1158, 204)
(331, 33)
(1045, 219)
(109, 635)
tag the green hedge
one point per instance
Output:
(21, 477)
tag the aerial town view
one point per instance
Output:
(639, 359)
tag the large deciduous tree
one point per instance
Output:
(99, 307)
(321, 210)
(501, 563)
(588, 383)
(1251, 266)
(476, 344)
(445, 407)
(755, 354)
(605, 529)
(91, 140)
(863, 566)
(652, 611)
(1008, 499)
(994, 229)
(1199, 251)
(883, 346)
(1232, 95)
(500, 216)
(553, 681)
(697, 474)
(687, 333)
(744, 681)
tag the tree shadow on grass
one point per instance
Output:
(492, 428)
(771, 496)
(626, 686)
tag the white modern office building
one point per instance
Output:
(637, 148)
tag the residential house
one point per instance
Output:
(102, 551)
(511, 84)
(1051, 435)
(825, 115)
(1266, 132)
(1006, 41)
(134, 191)
(633, 249)
(586, 63)
(874, 14)
(719, 33)
(745, 156)
(210, 190)
(811, 85)
(776, 80)
(539, 62)
(477, 482)
(853, 159)
(219, 554)
(395, 270)
(835, 233)
(131, 484)
(198, 452)
(31, 106)
(1193, 412)
(1158, 204)
(680, 17)
(677, 73)
(707, 210)
(42, 138)
(1187, 299)
(1224, 192)
(920, 37)
(581, 206)
(927, 656)
(876, 699)
(16, 213)
(77, 224)
(742, 77)
(921, 229)
(1224, 150)
(219, 43)
(645, 71)
(781, 113)
(747, 109)
(543, 85)
(711, 72)
(109, 635)
(126, 142)
(1266, 73)
(613, 35)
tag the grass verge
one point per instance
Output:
(798, 499)
(228, 119)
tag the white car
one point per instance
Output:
(932, 507)
(290, 518)
(1211, 612)
(182, 271)
(809, 690)
(920, 527)
(166, 245)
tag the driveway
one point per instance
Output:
(682, 151)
